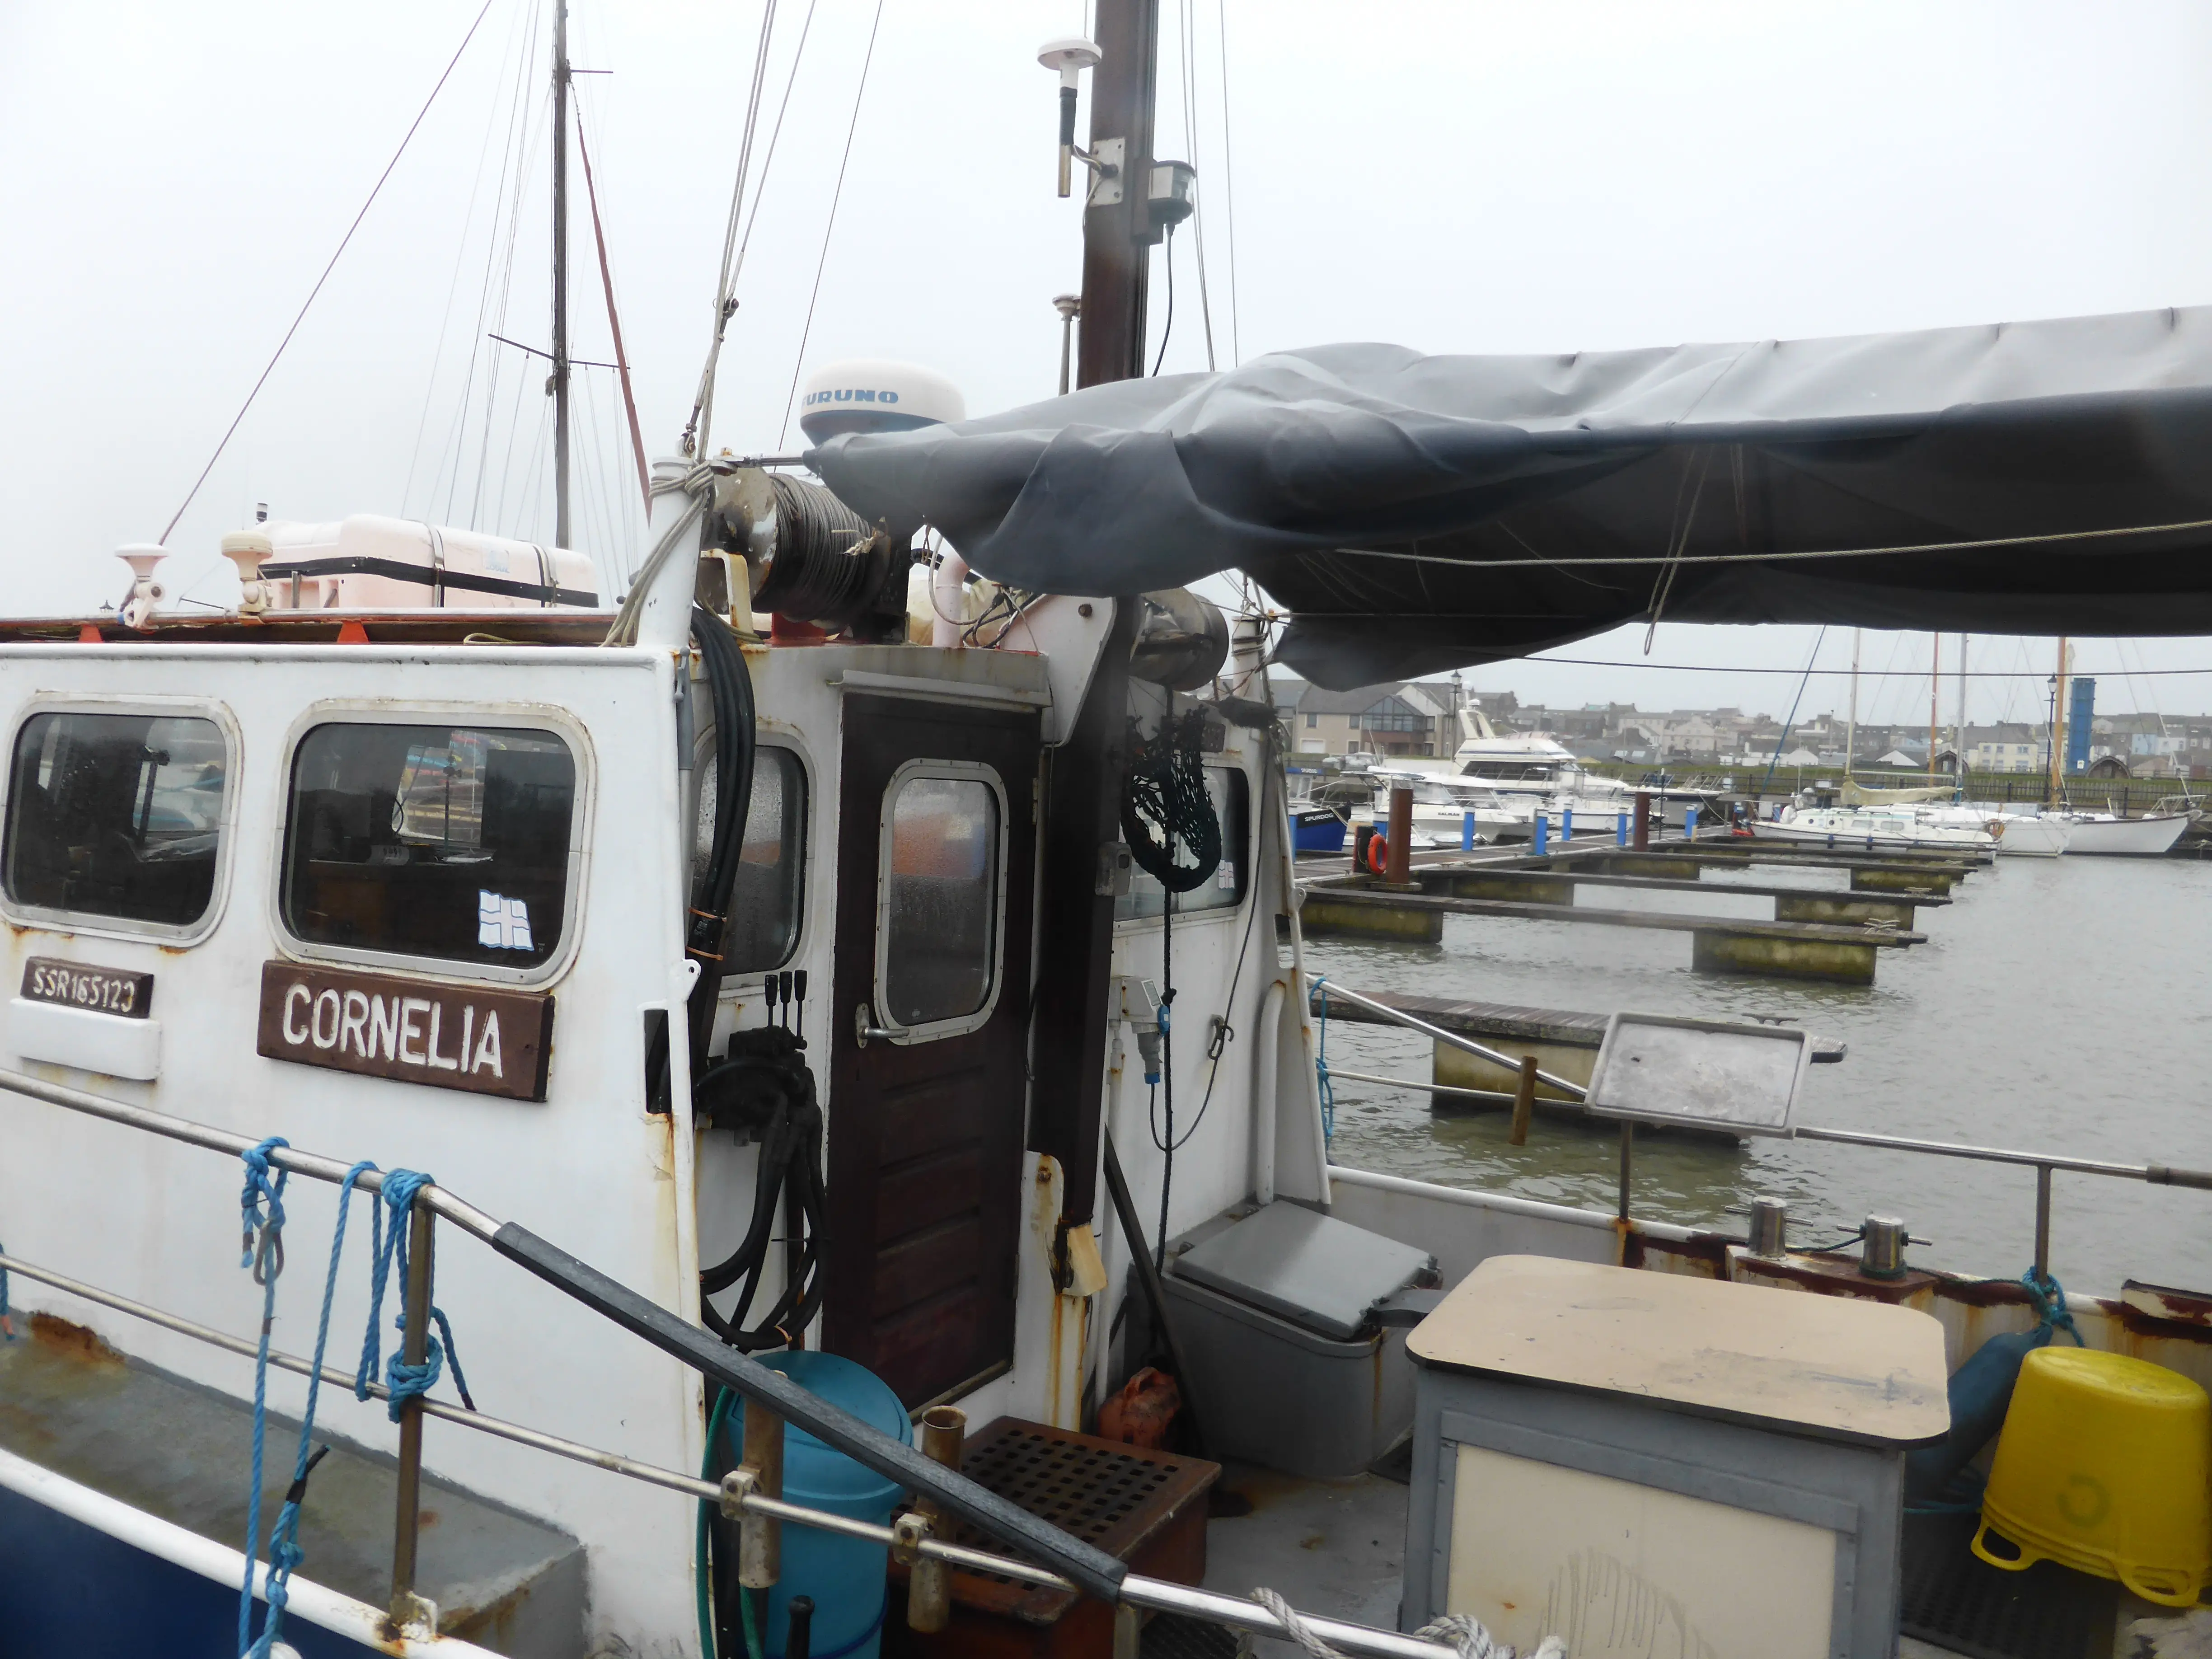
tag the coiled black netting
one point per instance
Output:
(1167, 816)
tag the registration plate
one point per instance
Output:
(78, 985)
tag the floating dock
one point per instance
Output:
(1814, 935)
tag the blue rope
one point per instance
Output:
(7, 1325)
(261, 1221)
(284, 1552)
(2050, 1299)
(388, 1246)
(1321, 1068)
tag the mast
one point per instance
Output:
(1851, 726)
(1935, 676)
(2056, 783)
(1118, 233)
(1958, 730)
(1084, 775)
(558, 384)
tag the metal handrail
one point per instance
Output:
(1510, 1062)
(944, 1486)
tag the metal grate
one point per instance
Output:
(1958, 1601)
(1081, 1485)
(1170, 1636)
(1119, 1498)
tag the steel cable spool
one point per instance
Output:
(1167, 816)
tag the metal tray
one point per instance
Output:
(1702, 1073)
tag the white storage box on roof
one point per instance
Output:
(368, 562)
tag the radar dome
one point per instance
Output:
(872, 395)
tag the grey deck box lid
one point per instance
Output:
(1311, 1269)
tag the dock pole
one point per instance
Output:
(1543, 833)
(1643, 820)
(1467, 832)
(1524, 1102)
(1620, 831)
(1398, 863)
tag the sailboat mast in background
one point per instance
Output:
(1958, 730)
(2055, 783)
(1851, 725)
(1935, 677)
(558, 384)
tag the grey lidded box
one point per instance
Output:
(1731, 1456)
(1288, 1369)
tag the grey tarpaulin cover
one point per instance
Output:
(1303, 468)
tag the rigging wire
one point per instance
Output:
(529, 134)
(1167, 328)
(703, 403)
(452, 288)
(2021, 673)
(1228, 186)
(858, 97)
(1187, 46)
(510, 161)
(1776, 557)
(374, 190)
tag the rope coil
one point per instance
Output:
(1463, 1632)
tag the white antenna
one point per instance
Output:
(1070, 57)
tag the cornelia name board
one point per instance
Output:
(485, 1041)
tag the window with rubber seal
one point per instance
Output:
(434, 840)
(766, 901)
(939, 953)
(116, 814)
(1232, 794)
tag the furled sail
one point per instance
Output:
(1417, 513)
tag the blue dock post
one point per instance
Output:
(1566, 824)
(1543, 833)
(1690, 821)
(1467, 832)
(1620, 831)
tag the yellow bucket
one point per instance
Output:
(2104, 1465)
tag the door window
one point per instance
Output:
(943, 884)
(116, 814)
(442, 842)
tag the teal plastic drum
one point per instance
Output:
(847, 1577)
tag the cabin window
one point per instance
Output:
(438, 841)
(943, 885)
(765, 901)
(116, 814)
(1224, 889)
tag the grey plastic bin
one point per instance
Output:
(1287, 1370)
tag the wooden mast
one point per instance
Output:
(1118, 234)
(1084, 776)
(557, 384)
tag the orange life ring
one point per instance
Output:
(1378, 854)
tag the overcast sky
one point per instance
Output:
(1455, 178)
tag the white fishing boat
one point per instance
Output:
(884, 945)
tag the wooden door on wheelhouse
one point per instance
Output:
(936, 854)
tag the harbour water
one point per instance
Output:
(2060, 1005)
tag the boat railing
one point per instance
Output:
(1068, 1563)
(2044, 1164)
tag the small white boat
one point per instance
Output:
(1877, 829)
(2103, 834)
